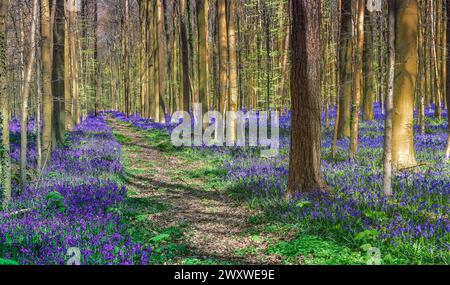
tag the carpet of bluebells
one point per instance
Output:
(73, 204)
(413, 225)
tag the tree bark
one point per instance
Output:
(403, 154)
(357, 80)
(447, 153)
(184, 46)
(387, 157)
(223, 52)
(47, 99)
(202, 54)
(345, 70)
(58, 72)
(26, 95)
(305, 157)
(232, 42)
(5, 159)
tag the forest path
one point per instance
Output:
(215, 228)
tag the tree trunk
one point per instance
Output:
(58, 72)
(370, 82)
(357, 80)
(159, 103)
(233, 71)
(403, 154)
(47, 99)
(5, 159)
(305, 157)
(223, 52)
(184, 46)
(387, 157)
(25, 97)
(345, 70)
(202, 54)
(447, 153)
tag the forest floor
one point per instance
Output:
(187, 220)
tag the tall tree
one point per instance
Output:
(161, 62)
(387, 157)
(233, 95)
(447, 153)
(346, 54)
(47, 100)
(5, 160)
(357, 78)
(223, 52)
(26, 95)
(305, 157)
(403, 154)
(184, 46)
(58, 72)
(202, 12)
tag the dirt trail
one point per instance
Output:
(217, 228)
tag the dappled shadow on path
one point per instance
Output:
(217, 227)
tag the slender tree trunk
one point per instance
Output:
(232, 42)
(357, 80)
(38, 105)
(26, 95)
(403, 154)
(370, 82)
(305, 161)
(97, 68)
(184, 46)
(345, 70)
(68, 98)
(202, 23)
(47, 99)
(58, 73)
(5, 159)
(159, 105)
(223, 52)
(387, 158)
(447, 153)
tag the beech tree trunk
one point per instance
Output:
(305, 157)
(232, 41)
(5, 159)
(223, 52)
(202, 12)
(357, 80)
(47, 99)
(447, 153)
(58, 72)
(403, 154)
(387, 157)
(26, 95)
(346, 71)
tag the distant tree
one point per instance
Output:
(305, 158)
